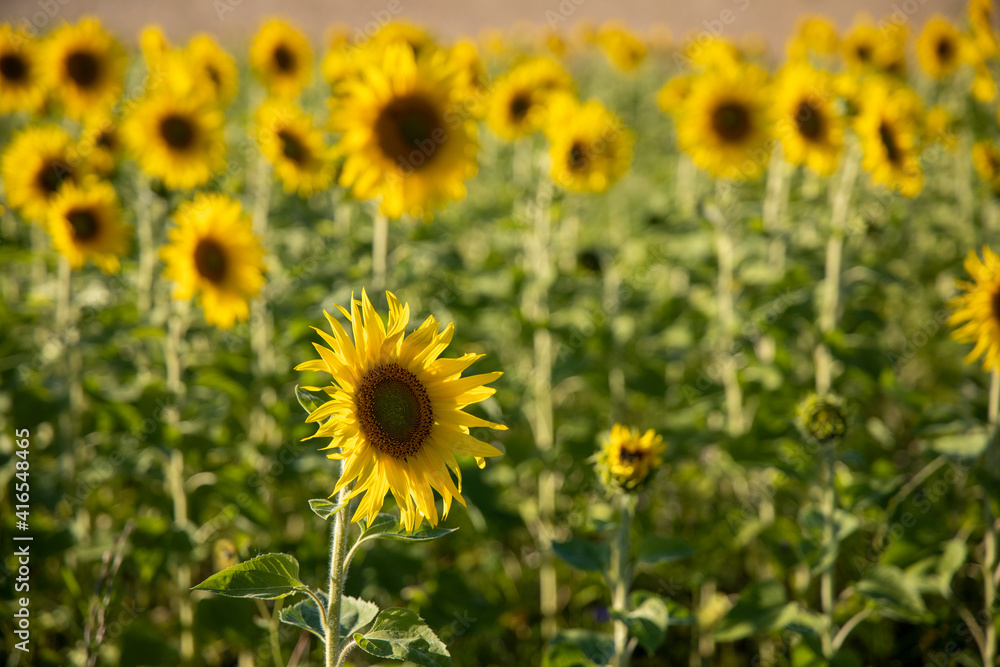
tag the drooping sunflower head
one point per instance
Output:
(813, 35)
(940, 47)
(823, 418)
(622, 48)
(723, 124)
(976, 310)
(627, 459)
(590, 148)
(85, 67)
(986, 157)
(396, 414)
(36, 165)
(282, 58)
(179, 141)
(403, 136)
(300, 157)
(518, 105)
(22, 78)
(85, 223)
(890, 127)
(214, 254)
(807, 122)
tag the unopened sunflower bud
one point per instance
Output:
(627, 459)
(823, 417)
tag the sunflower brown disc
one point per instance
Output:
(394, 410)
(731, 121)
(579, 157)
(178, 131)
(51, 176)
(284, 59)
(292, 147)
(809, 120)
(410, 130)
(888, 139)
(519, 106)
(210, 260)
(84, 223)
(83, 68)
(13, 68)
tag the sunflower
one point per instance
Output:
(890, 54)
(981, 20)
(590, 147)
(890, 127)
(213, 253)
(518, 105)
(179, 141)
(294, 147)
(623, 49)
(101, 143)
(402, 135)
(810, 129)
(86, 223)
(938, 128)
(939, 47)
(813, 34)
(976, 312)
(395, 414)
(627, 458)
(986, 157)
(282, 58)
(723, 123)
(85, 67)
(712, 53)
(984, 87)
(22, 81)
(399, 32)
(859, 45)
(216, 67)
(35, 166)
(470, 76)
(671, 96)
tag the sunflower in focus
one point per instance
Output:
(22, 78)
(590, 148)
(403, 136)
(623, 49)
(986, 157)
(86, 223)
(518, 106)
(294, 147)
(808, 125)
(939, 47)
(213, 253)
(890, 127)
(85, 67)
(282, 58)
(976, 312)
(180, 141)
(36, 165)
(396, 411)
(723, 123)
(813, 34)
(627, 459)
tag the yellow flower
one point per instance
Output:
(981, 20)
(623, 49)
(216, 67)
(976, 312)
(396, 411)
(938, 128)
(590, 147)
(301, 159)
(859, 45)
(22, 78)
(398, 32)
(890, 54)
(36, 164)
(986, 157)
(984, 87)
(939, 47)
(813, 34)
(890, 128)
(101, 144)
(518, 104)
(85, 68)
(179, 141)
(85, 223)
(822, 417)
(723, 123)
(808, 125)
(280, 55)
(627, 459)
(470, 76)
(403, 137)
(213, 253)
(671, 96)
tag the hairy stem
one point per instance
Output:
(380, 249)
(338, 551)
(621, 580)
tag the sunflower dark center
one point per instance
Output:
(284, 58)
(84, 223)
(945, 50)
(106, 139)
(519, 106)
(628, 455)
(394, 410)
(13, 68)
(731, 121)
(579, 156)
(213, 75)
(410, 130)
(210, 260)
(292, 148)
(177, 131)
(51, 176)
(888, 139)
(864, 53)
(83, 68)
(809, 120)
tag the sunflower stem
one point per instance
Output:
(147, 249)
(991, 533)
(727, 319)
(775, 201)
(621, 579)
(338, 552)
(68, 336)
(380, 249)
(261, 426)
(828, 505)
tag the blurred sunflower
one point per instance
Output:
(981, 20)
(890, 54)
(808, 125)
(216, 67)
(723, 124)
(938, 128)
(984, 86)
(86, 223)
(213, 253)
(712, 53)
(396, 411)
(518, 105)
(400, 32)
(403, 137)
(22, 78)
(470, 76)
(890, 128)
(939, 47)
(179, 141)
(627, 459)
(590, 148)
(813, 34)
(36, 164)
(671, 96)
(296, 149)
(101, 143)
(85, 67)
(986, 157)
(623, 49)
(282, 58)
(859, 45)
(976, 312)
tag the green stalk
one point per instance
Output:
(727, 324)
(338, 552)
(147, 248)
(828, 505)
(380, 249)
(621, 579)
(990, 536)
(261, 425)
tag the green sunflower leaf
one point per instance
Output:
(647, 621)
(267, 577)
(324, 508)
(401, 634)
(308, 400)
(305, 615)
(355, 614)
(584, 554)
(663, 549)
(387, 525)
(579, 648)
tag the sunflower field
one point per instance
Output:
(579, 347)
